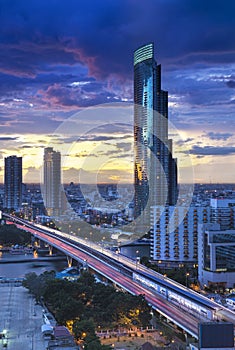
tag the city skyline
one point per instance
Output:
(58, 59)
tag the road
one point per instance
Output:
(21, 318)
(187, 321)
(182, 316)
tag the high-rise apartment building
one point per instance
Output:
(13, 182)
(174, 233)
(155, 168)
(52, 181)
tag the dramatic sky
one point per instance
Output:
(61, 56)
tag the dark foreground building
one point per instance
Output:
(13, 182)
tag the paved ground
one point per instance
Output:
(21, 318)
(135, 342)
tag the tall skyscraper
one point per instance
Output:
(155, 169)
(52, 181)
(13, 182)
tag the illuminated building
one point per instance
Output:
(174, 234)
(155, 169)
(52, 181)
(13, 182)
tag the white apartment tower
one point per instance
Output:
(52, 181)
(174, 234)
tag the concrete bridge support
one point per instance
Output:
(69, 260)
(50, 250)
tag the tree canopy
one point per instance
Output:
(10, 234)
(85, 300)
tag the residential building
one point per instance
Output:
(13, 182)
(174, 233)
(52, 181)
(155, 168)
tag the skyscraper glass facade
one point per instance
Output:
(155, 169)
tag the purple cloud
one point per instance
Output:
(219, 136)
(212, 151)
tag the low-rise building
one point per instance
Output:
(63, 339)
(223, 212)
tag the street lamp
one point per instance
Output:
(102, 246)
(158, 265)
(117, 252)
(186, 279)
(137, 262)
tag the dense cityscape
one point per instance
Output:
(147, 238)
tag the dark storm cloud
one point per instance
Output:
(24, 122)
(67, 96)
(103, 34)
(36, 35)
(124, 146)
(31, 146)
(6, 138)
(183, 142)
(219, 136)
(62, 56)
(231, 84)
(14, 83)
(115, 128)
(212, 151)
(97, 138)
(102, 138)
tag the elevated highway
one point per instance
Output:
(182, 306)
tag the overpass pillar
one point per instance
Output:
(50, 250)
(40, 243)
(36, 242)
(70, 261)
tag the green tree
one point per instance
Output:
(86, 300)
(85, 331)
(37, 284)
(66, 308)
(10, 234)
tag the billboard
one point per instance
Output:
(214, 335)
